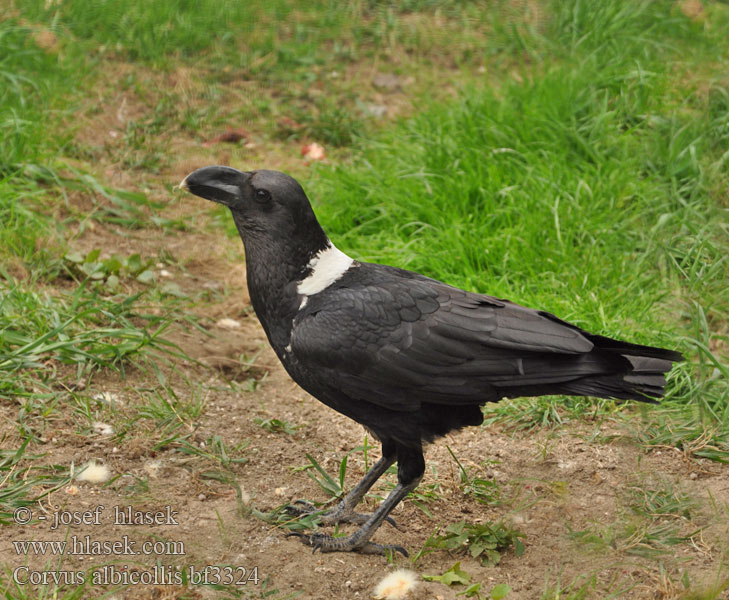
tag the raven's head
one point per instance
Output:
(265, 204)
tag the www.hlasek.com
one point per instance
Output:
(125, 575)
(86, 546)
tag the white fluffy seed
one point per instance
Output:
(396, 585)
(228, 324)
(103, 428)
(94, 472)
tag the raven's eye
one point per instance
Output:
(263, 195)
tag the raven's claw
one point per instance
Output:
(338, 514)
(327, 543)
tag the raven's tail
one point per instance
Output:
(644, 378)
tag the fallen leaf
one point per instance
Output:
(313, 151)
(289, 123)
(231, 136)
(387, 81)
(46, 40)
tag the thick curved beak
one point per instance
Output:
(217, 183)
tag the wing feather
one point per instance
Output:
(398, 339)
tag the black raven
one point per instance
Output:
(408, 357)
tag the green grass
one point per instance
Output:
(273, 425)
(655, 516)
(24, 485)
(483, 490)
(277, 39)
(548, 190)
(150, 32)
(30, 79)
(40, 333)
(24, 231)
(660, 500)
(305, 63)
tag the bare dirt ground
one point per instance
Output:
(577, 477)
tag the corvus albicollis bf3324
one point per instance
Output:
(408, 357)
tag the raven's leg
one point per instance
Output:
(411, 467)
(344, 511)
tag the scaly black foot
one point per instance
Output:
(338, 514)
(353, 543)
(359, 541)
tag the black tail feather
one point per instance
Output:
(612, 369)
(644, 381)
(627, 349)
(622, 387)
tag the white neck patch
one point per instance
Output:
(326, 266)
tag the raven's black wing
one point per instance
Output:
(397, 339)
